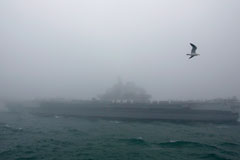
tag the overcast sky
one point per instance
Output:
(79, 48)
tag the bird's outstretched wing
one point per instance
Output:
(191, 57)
(194, 48)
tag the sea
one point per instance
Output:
(26, 136)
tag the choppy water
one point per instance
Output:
(24, 136)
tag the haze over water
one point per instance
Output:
(77, 49)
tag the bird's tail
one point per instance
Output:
(188, 54)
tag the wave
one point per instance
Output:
(184, 144)
(196, 145)
(56, 116)
(9, 127)
(229, 144)
(134, 141)
(116, 122)
(214, 157)
(222, 127)
(230, 148)
(76, 132)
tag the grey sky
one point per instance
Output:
(78, 48)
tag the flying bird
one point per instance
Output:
(193, 52)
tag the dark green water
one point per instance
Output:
(24, 136)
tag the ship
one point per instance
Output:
(127, 101)
(163, 111)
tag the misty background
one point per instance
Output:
(78, 49)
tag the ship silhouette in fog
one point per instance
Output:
(127, 101)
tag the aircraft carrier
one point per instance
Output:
(165, 111)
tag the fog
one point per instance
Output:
(78, 49)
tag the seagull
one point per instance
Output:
(193, 52)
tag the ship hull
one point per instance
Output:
(138, 112)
